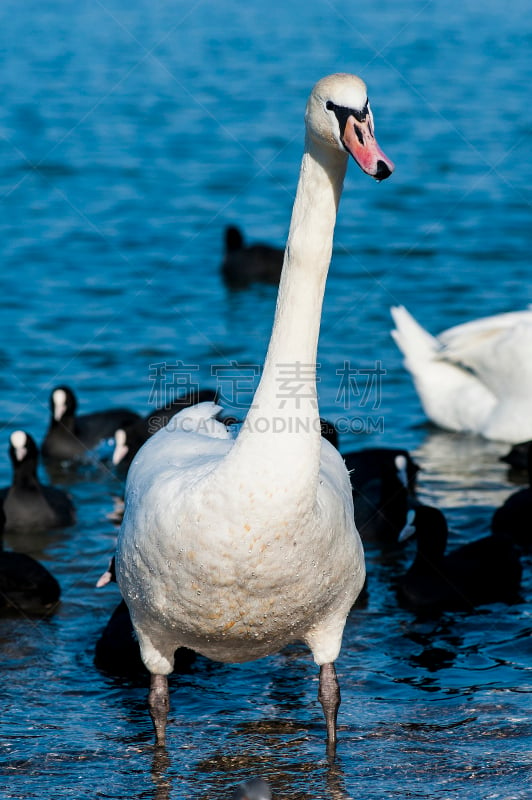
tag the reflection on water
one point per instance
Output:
(462, 470)
(160, 774)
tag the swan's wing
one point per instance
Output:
(200, 419)
(190, 444)
(460, 338)
(334, 473)
(344, 566)
(501, 359)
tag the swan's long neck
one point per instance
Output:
(283, 422)
(294, 340)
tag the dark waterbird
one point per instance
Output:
(27, 502)
(517, 456)
(383, 481)
(71, 436)
(25, 584)
(129, 440)
(487, 570)
(514, 517)
(254, 263)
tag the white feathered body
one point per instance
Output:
(234, 564)
(475, 377)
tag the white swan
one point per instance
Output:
(236, 547)
(475, 377)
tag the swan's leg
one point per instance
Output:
(159, 703)
(157, 652)
(329, 697)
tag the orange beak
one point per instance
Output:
(359, 139)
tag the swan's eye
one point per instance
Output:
(342, 112)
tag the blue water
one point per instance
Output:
(130, 134)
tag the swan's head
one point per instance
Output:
(338, 116)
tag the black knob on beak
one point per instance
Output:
(383, 171)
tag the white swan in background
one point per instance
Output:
(236, 547)
(475, 377)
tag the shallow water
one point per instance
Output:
(130, 134)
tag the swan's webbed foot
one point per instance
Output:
(329, 697)
(159, 703)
